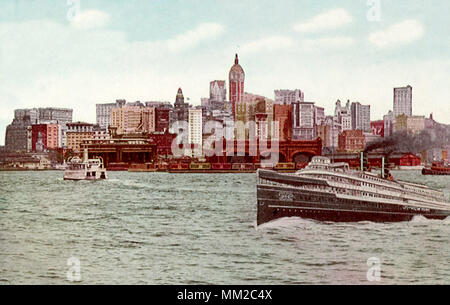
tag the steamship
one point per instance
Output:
(328, 191)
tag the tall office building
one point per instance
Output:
(18, 133)
(389, 121)
(360, 117)
(303, 121)
(288, 97)
(343, 115)
(403, 101)
(217, 95)
(236, 83)
(196, 131)
(103, 112)
(133, 118)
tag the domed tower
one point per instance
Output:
(236, 81)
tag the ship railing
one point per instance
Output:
(364, 188)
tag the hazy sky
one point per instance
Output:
(54, 54)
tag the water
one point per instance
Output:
(160, 228)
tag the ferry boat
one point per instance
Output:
(437, 168)
(87, 169)
(328, 191)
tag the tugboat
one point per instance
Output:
(86, 169)
(437, 168)
(328, 191)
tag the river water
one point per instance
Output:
(160, 228)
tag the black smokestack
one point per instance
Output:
(403, 141)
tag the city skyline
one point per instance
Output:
(146, 51)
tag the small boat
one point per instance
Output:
(437, 168)
(328, 191)
(87, 169)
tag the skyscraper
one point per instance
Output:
(288, 97)
(103, 113)
(236, 81)
(196, 131)
(16, 138)
(303, 121)
(403, 101)
(343, 115)
(217, 91)
(360, 117)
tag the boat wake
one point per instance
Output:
(287, 223)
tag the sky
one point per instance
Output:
(76, 53)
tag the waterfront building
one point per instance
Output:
(163, 142)
(76, 133)
(283, 114)
(18, 133)
(119, 152)
(196, 131)
(60, 116)
(236, 83)
(44, 137)
(360, 117)
(351, 141)
(288, 97)
(303, 121)
(403, 101)
(100, 133)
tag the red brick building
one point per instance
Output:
(163, 141)
(351, 141)
(162, 119)
(44, 137)
(408, 159)
(283, 114)
(377, 128)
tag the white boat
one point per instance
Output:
(87, 169)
